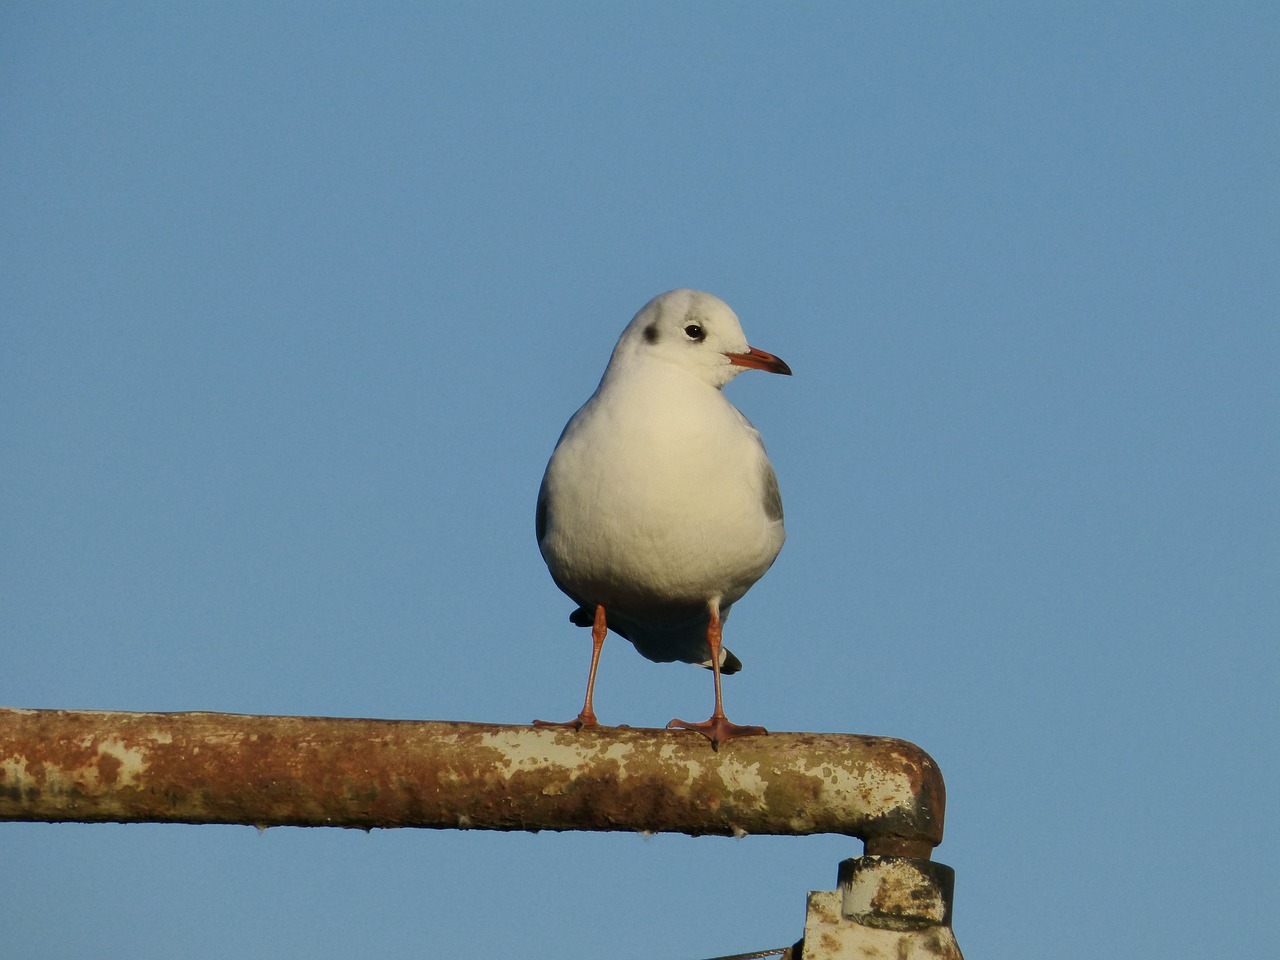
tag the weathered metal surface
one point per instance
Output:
(58, 765)
(896, 893)
(886, 907)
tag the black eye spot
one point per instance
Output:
(695, 332)
(651, 333)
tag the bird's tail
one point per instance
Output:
(728, 662)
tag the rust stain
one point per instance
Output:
(108, 768)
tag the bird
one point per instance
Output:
(659, 508)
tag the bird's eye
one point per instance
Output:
(695, 332)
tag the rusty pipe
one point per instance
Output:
(89, 766)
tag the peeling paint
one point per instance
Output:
(224, 768)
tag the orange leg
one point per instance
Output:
(718, 729)
(587, 718)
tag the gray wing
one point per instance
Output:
(772, 495)
(540, 516)
(772, 501)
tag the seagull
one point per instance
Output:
(659, 508)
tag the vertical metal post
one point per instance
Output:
(885, 906)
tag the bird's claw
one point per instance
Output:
(718, 729)
(583, 719)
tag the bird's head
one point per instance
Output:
(698, 333)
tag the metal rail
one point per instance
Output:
(88, 766)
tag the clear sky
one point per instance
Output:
(295, 299)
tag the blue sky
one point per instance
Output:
(295, 300)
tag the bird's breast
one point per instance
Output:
(660, 501)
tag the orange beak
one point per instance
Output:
(759, 360)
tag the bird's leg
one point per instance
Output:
(587, 718)
(718, 729)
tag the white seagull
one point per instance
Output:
(659, 508)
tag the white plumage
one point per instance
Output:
(659, 508)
